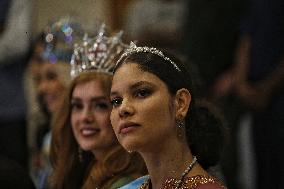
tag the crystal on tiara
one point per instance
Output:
(135, 49)
(97, 54)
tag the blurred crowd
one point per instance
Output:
(234, 49)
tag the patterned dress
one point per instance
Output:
(195, 182)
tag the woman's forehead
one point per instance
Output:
(129, 75)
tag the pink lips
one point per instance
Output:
(89, 131)
(127, 127)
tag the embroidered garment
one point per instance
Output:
(195, 182)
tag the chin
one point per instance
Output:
(87, 147)
(52, 108)
(130, 144)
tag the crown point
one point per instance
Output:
(97, 54)
(132, 45)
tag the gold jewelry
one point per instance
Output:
(186, 171)
(178, 184)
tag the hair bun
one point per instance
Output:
(206, 134)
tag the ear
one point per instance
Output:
(182, 102)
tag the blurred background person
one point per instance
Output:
(35, 112)
(49, 73)
(52, 82)
(15, 36)
(85, 152)
(158, 23)
(256, 79)
(211, 35)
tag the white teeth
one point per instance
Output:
(88, 132)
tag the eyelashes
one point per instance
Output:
(102, 105)
(115, 102)
(140, 93)
(75, 106)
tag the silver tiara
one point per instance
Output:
(133, 49)
(97, 54)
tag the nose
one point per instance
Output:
(87, 116)
(126, 109)
(42, 87)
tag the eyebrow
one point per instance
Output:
(140, 83)
(134, 86)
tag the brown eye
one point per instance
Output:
(142, 93)
(51, 76)
(75, 106)
(101, 105)
(37, 79)
(116, 102)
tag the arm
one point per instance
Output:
(275, 80)
(14, 40)
(258, 95)
(237, 74)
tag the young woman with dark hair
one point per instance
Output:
(154, 113)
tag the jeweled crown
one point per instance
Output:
(97, 54)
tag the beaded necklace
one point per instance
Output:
(146, 184)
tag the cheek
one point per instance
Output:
(157, 115)
(108, 131)
(74, 120)
(155, 110)
(114, 118)
(103, 120)
(58, 87)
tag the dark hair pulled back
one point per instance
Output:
(203, 129)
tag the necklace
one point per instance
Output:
(179, 182)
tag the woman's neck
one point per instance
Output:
(101, 153)
(99, 156)
(169, 160)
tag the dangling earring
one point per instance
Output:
(80, 154)
(180, 128)
(180, 124)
